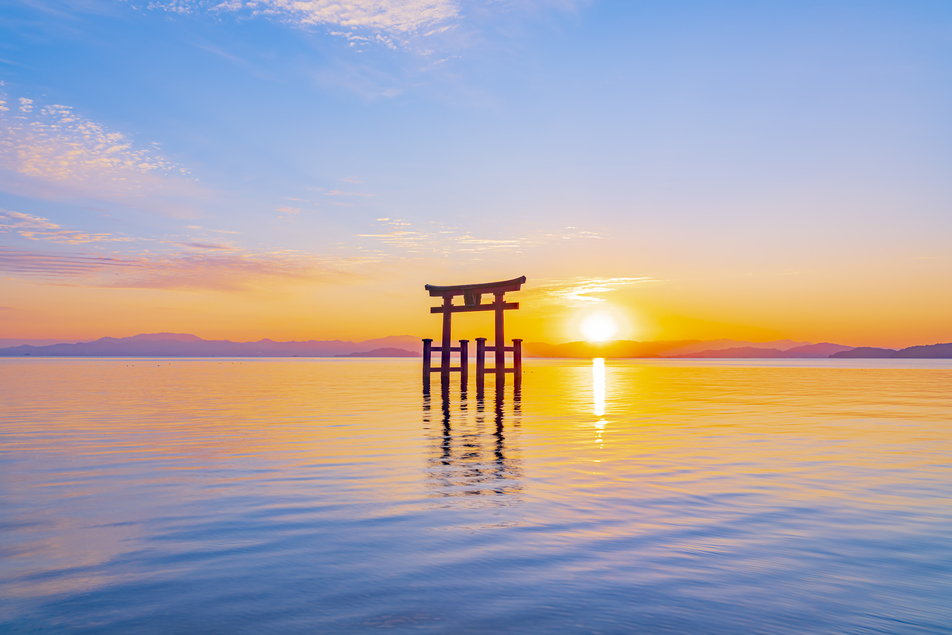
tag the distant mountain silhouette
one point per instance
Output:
(383, 352)
(185, 345)
(865, 352)
(698, 349)
(171, 337)
(7, 342)
(934, 351)
(823, 349)
(808, 351)
(718, 345)
(742, 352)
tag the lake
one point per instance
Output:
(619, 496)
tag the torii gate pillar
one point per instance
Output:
(500, 344)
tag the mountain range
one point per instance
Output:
(185, 345)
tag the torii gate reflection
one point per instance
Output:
(468, 457)
(472, 301)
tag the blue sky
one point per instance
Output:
(734, 154)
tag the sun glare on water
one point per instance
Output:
(599, 327)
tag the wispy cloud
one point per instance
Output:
(194, 245)
(452, 240)
(208, 229)
(39, 228)
(340, 193)
(231, 271)
(55, 265)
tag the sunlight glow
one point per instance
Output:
(599, 327)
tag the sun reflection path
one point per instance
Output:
(598, 385)
(598, 394)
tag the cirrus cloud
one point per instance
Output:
(51, 152)
(447, 241)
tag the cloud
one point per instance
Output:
(409, 240)
(478, 244)
(182, 7)
(390, 16)
(581, 291)
(340, 193)
(195, 245)
(232, 271)
(39, 228)
(208, 229)
(288, 210)
(47, 265)
(444, 243)
(449, 241)
(51, 152)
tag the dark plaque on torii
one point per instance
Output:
(472, 301)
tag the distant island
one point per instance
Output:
(185, 345)
(383, 352)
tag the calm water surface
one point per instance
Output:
(328, 496)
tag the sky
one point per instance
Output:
(299, 170)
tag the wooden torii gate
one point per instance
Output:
(472, 301)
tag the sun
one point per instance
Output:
(599, 327)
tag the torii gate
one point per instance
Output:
(472, 296)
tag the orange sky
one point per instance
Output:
(895, 305)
